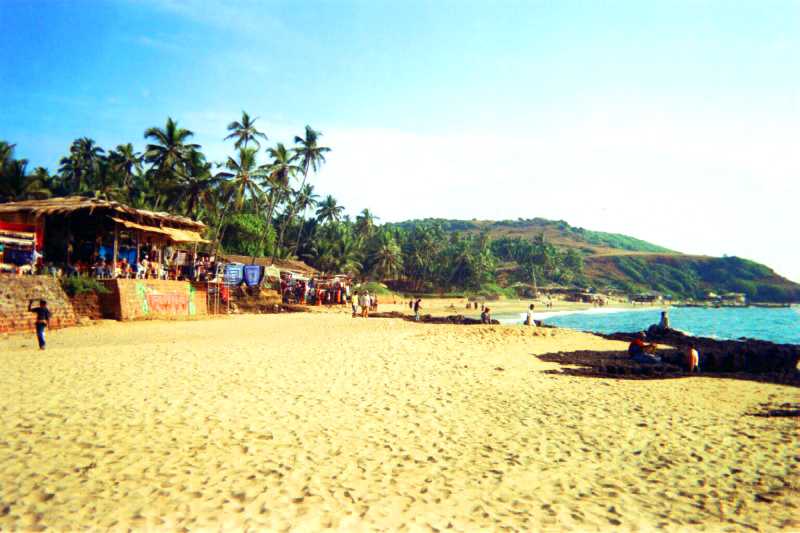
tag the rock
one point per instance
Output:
(429, 319)
(749, 355)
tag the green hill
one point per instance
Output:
(557, 232)
(622, 262)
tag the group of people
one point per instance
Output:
(644, 353)
(364, 303)
(313, 292)
(147, 267)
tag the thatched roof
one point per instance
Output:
(71, 204)
(282, 264)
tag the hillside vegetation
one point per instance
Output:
(611, 260)
(557, 232)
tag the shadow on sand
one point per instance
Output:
(618, 365)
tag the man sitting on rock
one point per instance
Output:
(638, 351)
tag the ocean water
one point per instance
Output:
(777, 325)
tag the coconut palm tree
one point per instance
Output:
(246, 176)
(40, 184)
(306, 199)
(387, 258)
(245, 131)
(198, 187)
(311, 156)
(168, 154)
(329, 211)
(125, 160)
(13, 175)
(82, 167)
(365, 224)
(310, 153)
(281, 171)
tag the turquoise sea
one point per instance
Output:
(773, 324)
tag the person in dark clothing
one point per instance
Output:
(417, 307)
(42, 320)
(638, 351)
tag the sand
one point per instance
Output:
(311, 421)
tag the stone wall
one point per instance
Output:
(127, 299)
(87, 305)
(130, 299)
(15, 291)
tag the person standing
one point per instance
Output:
(417, 307)
(663, 324)
(529, 321)
(692, 359)
(42, 320)
(365, 305)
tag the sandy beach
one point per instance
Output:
(314, 421)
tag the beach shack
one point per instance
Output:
(73, 232)
(74, 235)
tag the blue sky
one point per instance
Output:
(676, 122)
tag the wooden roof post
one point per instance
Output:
(116, 250)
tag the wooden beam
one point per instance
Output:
(116, 250)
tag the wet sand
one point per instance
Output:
(313, 421)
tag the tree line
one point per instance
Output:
(261, 202)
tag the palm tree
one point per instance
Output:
(82, 167)
(306, 199)
(125, 160)
(39, 184)
(198, 187)
(336, 249)
(387, 259)
(245, 131)
(245, 175)
(6, 152)
(311, 157)
(13, 176)
(329, 211)
(281, 170)
(365, 224)
(169, 154)
(310, 153)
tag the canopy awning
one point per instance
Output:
(16, 242)
(183, 235)
(175, 234)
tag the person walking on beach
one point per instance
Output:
(529, 321)
(417, 307)
(42, 320)
(365, 303)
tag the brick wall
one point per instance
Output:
(130, 299)
(15, 291)
(87, 304)
(126, 299)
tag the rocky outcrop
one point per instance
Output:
(746, 355)
(429, 319)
